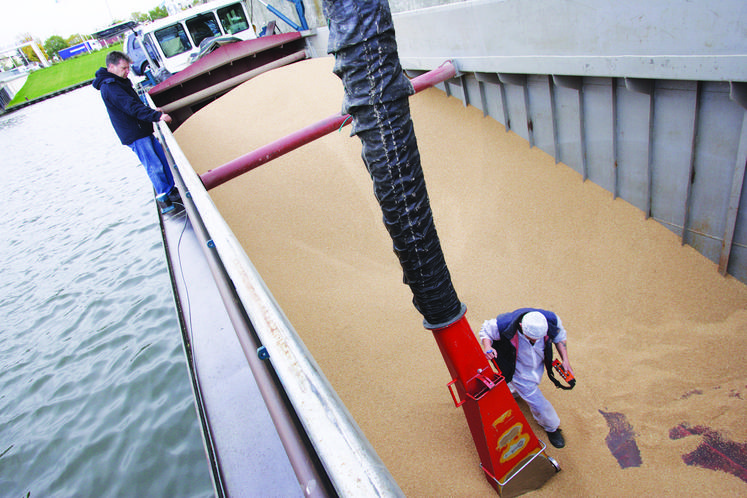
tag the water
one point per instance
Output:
(95, 398)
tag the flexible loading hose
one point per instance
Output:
(376, 96)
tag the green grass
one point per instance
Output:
(62, 75)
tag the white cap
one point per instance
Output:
(534, 325)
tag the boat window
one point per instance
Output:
(173, 40)
(151, 50)
(233, 19)
(131, 45)
(203, 26)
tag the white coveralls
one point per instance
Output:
(530, 366)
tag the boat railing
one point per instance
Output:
(351, 463)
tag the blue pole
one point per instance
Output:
(281, 16)
(301, 13)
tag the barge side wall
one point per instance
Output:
(646, 100)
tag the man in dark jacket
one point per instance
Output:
(133, 122)
(521, 344)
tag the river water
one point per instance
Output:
(95, 398)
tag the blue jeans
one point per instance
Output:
(150, 153)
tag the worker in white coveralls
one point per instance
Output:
(519, 342)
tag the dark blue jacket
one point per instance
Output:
(507, 345)
(131, 119)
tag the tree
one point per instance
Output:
(158, 13)
(74, 40)
(28, 51)
(139, 17)
(152, 15)
(54, 44)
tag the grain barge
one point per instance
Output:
(646, 105)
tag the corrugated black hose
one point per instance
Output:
(376, 96)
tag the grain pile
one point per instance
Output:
(657, 337)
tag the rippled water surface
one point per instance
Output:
(95, 397)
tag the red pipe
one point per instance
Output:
(462, 353)
(444, 72)
(504, 440)
(266, 153)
